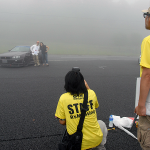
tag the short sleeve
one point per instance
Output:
(96, 102)
(145, 54)
(60, 113)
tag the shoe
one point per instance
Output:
(47, 64)
(38, 65)
(35, 65)
(43, 64)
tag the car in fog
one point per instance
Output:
(18, 56)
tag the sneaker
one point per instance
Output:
(47, 64)
(35, 65)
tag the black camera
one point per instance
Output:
(76, 69)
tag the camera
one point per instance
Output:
(76, 69)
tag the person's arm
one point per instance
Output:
(31, 48)
(60, 113)
(87, 86)
(47, 48)
(144, 89)
(62, 122)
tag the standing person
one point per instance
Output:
(69, 110)
(35, 51)
(44, 49)
(143, 132)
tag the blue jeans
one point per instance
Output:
(44, 58)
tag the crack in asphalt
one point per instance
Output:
(43, 136)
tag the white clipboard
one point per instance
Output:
(137, 94)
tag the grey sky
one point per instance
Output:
(74, 25)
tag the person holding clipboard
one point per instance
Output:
(143, 107)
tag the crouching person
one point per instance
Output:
(69, 110)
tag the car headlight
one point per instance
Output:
(16, 57)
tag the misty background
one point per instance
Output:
(88, 27)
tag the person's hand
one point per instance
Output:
(141, 111)
(87, 86)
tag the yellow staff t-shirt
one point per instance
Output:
(145, 54)
(69, 108)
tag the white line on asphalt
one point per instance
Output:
(102, 67)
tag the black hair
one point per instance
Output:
(74, 83)
(42, 45)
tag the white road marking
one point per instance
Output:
(102, 67)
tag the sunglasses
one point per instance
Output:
(146, 14)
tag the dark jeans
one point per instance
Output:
(44, 58)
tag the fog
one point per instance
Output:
(88, 27)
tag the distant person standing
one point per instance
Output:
(35, 51)
(44, 49)
(143, 132)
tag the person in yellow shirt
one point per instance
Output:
(69, 110)
(143, 132)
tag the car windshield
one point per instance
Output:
(21, 49)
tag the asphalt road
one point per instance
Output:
(29, 96)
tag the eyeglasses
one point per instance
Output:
(146, 14)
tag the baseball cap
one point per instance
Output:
(146, 10)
